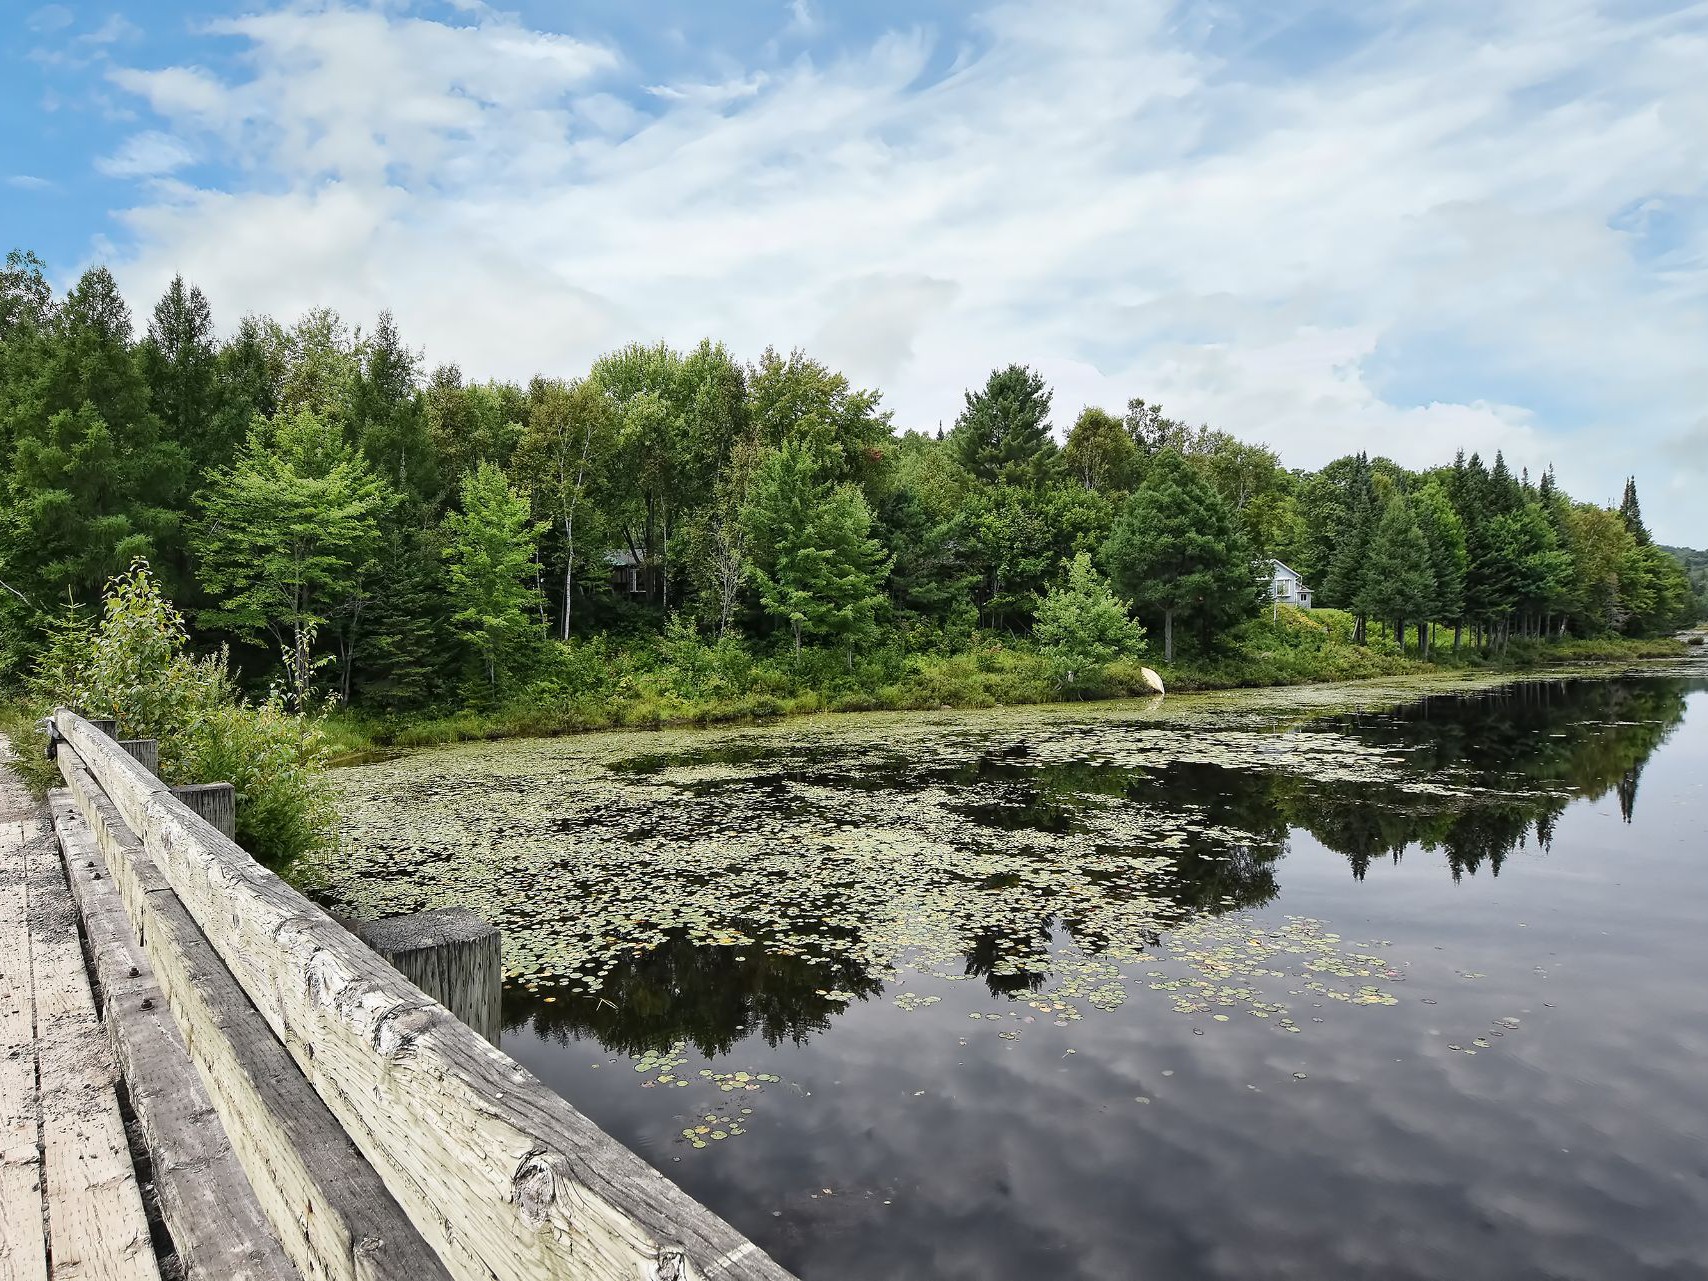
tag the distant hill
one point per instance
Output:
(1696, 565)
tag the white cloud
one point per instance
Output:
(802, 20)
(50, 17)
(189, 96)
(146, 155)
(29, 182)
(116, 29)
(1086, 188)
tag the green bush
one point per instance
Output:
(275, 760)
(132, 667)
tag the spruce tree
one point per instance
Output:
(1343, 584)
(181, 363)
(401, 662)
(1631, 512)
(1448, 562)
(1398, 583)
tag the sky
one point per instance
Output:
(1400, 226)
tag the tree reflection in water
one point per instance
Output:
(706, 997)
(1510, 761)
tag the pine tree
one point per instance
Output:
(1177, 551)
(1003, 434)
(1008, 546)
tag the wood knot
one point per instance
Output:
(533, 1188)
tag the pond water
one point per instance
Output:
(1350, 981)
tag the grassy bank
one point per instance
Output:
(595, 686)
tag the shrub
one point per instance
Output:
(275, 759)
(132, 668)
(1082, 628)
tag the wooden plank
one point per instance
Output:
(329, 1209)
(97, 1227)
(504, 1178)
(23, 1225)
(217, 1227)
(144, 751)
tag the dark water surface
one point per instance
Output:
(1512, 1082)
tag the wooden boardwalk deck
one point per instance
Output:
(70, 1202)
(205, 1078)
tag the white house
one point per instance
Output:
(1286, 587)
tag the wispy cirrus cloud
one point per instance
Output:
(1404, 228)
(50, 17)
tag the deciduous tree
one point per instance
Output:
(288, 535)
(489, 549)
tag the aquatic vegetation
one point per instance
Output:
(674, 894)
(827, 856)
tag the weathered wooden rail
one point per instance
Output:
(300, 1107)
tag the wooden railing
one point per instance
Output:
(498, 1177)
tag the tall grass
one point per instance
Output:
(683, 679)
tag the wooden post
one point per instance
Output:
(144, 751)
(216, 802)
(452, 955)
(106, 725)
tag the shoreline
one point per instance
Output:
(356, 739)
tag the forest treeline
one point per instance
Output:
(355, 525)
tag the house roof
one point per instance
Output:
(1303, 586)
